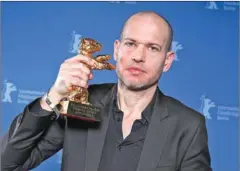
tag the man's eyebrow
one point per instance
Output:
(130, 39)
(153, 44)
(149, 43)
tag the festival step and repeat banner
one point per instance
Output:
(38, 36)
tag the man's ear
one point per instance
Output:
(116, 48)
(169, 60)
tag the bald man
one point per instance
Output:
(142, 129)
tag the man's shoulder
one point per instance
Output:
(182, 112)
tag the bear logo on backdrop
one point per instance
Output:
(226, 6)
(74, 44)
(206, 105)
(211, 110)
(11, 94)
(8, 89)
(211, 5)
(176, 46)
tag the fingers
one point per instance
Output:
(76, 69)
(82, 59)
(90, 76)
(76, 81)
(74, 72)
(79, 66)
(78, 72)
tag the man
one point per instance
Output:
(141, 129)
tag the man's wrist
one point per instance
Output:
(53, 97)
(51, 101)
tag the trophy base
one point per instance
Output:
(80, 111)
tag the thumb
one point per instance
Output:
(90, 76)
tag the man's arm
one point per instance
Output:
(32, 138)
(35, 136)
(197, 157)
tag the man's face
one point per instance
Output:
(141, 55)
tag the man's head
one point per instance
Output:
(143, 51)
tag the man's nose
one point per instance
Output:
(139, 54)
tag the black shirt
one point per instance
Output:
(123, 154)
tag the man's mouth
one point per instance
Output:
(135, 70)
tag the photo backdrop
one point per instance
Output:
(38, 36)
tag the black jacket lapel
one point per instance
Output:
(96, 136)
(156, 136)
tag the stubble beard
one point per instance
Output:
(137, 86)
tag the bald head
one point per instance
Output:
(158, 19)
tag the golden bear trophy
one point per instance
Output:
(77, 105)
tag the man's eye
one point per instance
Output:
(154, 48)
(129, 44)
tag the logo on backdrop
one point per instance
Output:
(8, 89)
(23, 96)
(206, 105)
(211, 110)
(74, 44)
(225, 6)
(176, 46)
(211, 5)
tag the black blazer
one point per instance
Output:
(176, 139)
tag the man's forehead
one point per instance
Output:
(145, 30)
(137, 22)
(152, 18)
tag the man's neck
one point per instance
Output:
(134, 102)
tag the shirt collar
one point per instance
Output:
(146, 113)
